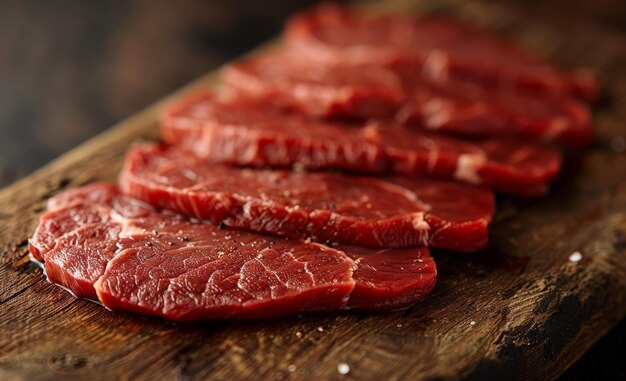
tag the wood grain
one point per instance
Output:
(519, 309)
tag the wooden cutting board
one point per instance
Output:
(519, 309)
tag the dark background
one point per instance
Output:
(69, 69)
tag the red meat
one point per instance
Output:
(253, 134)
(136, 259)
(393, 212)
(440, 48)
(287, 81)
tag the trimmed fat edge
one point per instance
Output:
(467, 168)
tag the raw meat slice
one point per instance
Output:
(287, 81)
(229, 275)
(390, 278)
(136, 259)
(323, 207)
(464, 108)
(249, 133)
(506, 165)
(386, 279)
(252, 134)
(60, 217)
(313, 89)
(339, 36)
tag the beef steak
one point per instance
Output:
(287, 81)
(99, 243)
(394, 212)
(340, 36)
(455, 106)
(239, 132)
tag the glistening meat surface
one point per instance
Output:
(98, 243)
(253, 134)
(338, 36)
(288, 81)
(391, 212)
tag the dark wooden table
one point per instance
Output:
(70, 69)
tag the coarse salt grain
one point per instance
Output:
(343, 368)
(472, 322)
(575, 257)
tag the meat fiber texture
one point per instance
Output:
(450, 105)
(331, 208)
(441, 48)
(100, 244)
(248, 133)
